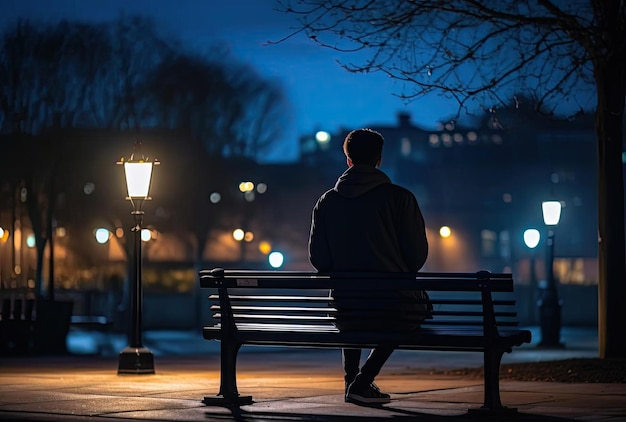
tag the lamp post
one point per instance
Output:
(135, 358)
(531, 239)
(549, 304)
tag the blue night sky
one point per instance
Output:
(321, 94)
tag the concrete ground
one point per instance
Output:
(286, 384)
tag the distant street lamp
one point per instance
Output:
(531, 239)
(549, 304)
(4, 235)
(135, 358)
(276, 259)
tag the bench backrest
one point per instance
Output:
(17, 307)
(280, 298)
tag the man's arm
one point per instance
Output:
(319, 253)
(412, 235)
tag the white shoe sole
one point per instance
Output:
(357, 399)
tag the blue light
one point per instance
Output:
(276, 259)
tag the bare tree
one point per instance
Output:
(116, 76)
(561, 53)
(20, 85)
(226, 105)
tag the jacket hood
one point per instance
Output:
(358, 180)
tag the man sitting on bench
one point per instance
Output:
(367, 223)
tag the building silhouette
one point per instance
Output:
(486, 182)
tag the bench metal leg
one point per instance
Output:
(228, 394)
(492, 404)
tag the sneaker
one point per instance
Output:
(347, 385)
(371, 394)
(375, 387)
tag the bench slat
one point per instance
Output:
(323, 299)
(303, 310)
(430, 285)
(440, 322)
(356, 280)
(325, 337)
(277, 298)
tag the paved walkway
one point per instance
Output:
(286, 385)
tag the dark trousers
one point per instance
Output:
(370, 369)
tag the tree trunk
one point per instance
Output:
(610, 82)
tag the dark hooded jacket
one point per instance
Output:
(367, 223)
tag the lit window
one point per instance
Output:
(405, 148)
(505, 244)
(496, 139)
(582, 271)
(488, 239)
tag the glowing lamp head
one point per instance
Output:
(138, 172)
(531, 238)
(551, 212)
(138, 176)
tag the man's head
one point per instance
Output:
(363, 146)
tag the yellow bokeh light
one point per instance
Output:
(445, 231)
(246, 186)
(265, 247)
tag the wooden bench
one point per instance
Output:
(473, 312)
(29, 326)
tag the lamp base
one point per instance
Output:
(135, 360)
(550, 325)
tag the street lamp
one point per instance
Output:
(4, 235)
(531, 239)
(135, 358)
(549, 304)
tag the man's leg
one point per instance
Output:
(374, 363)
(351, 363)
(363, 390)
